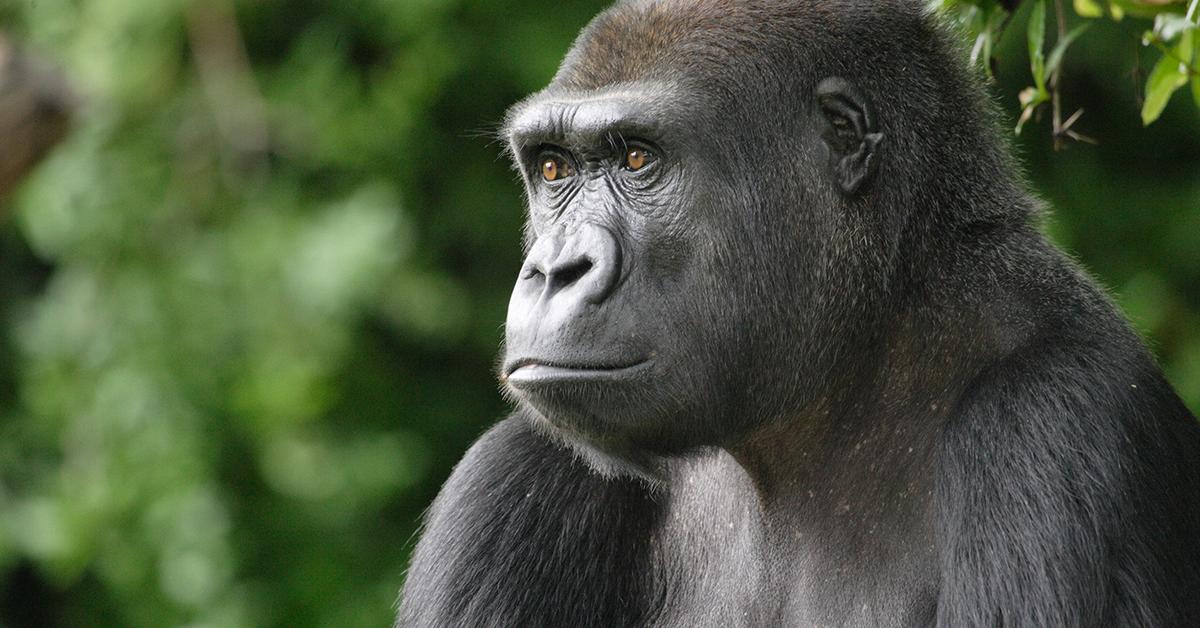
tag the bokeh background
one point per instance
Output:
(249, 308)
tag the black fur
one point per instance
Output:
(814, 365)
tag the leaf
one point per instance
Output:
(1168, 26)
(1196, 78)
(989, 26)
(1165, 78)
(1060, 47)
(1026, 113)
(1141, 8)
(1088, 8)
(1030, 98)
(1036, 37)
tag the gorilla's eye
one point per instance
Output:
(637, 158)
(554, 168)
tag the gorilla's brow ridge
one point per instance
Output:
(584, 119)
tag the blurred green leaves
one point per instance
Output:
(265, 275)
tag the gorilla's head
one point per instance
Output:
(727, 200)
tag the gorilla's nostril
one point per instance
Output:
(587, 261)
(571, 273)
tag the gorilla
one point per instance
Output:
(788, 349)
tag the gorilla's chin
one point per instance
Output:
(613, 418)
(599, 405)
(592, 440)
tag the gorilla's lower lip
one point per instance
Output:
(528, 373)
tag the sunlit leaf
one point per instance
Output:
(1168, 26)
(1088, 8)
(1030, 98)
(1165, 78)
(1191, 44)
(1141, 8)
(1036, 40)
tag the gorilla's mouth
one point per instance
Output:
(530, 372)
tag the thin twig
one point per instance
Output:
(1055, 97)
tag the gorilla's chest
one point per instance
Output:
(729, 590)
(718, 562)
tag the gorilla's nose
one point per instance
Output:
(582, 265)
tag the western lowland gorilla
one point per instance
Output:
(786, 349)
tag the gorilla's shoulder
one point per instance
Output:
(515, 460)
(514, 495)
(1052, 450)
(508, 456)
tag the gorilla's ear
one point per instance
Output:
(849, 131)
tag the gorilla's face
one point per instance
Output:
(667, 296)
(623, 327)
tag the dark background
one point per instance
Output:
(249, 309)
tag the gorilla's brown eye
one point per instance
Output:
(555, 168)
(636, 158)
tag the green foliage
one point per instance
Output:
(1172, 34)
(1176, 66)
(250, 308)
(271, 259)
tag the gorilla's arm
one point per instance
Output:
(523, 534)
(1058, 484)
